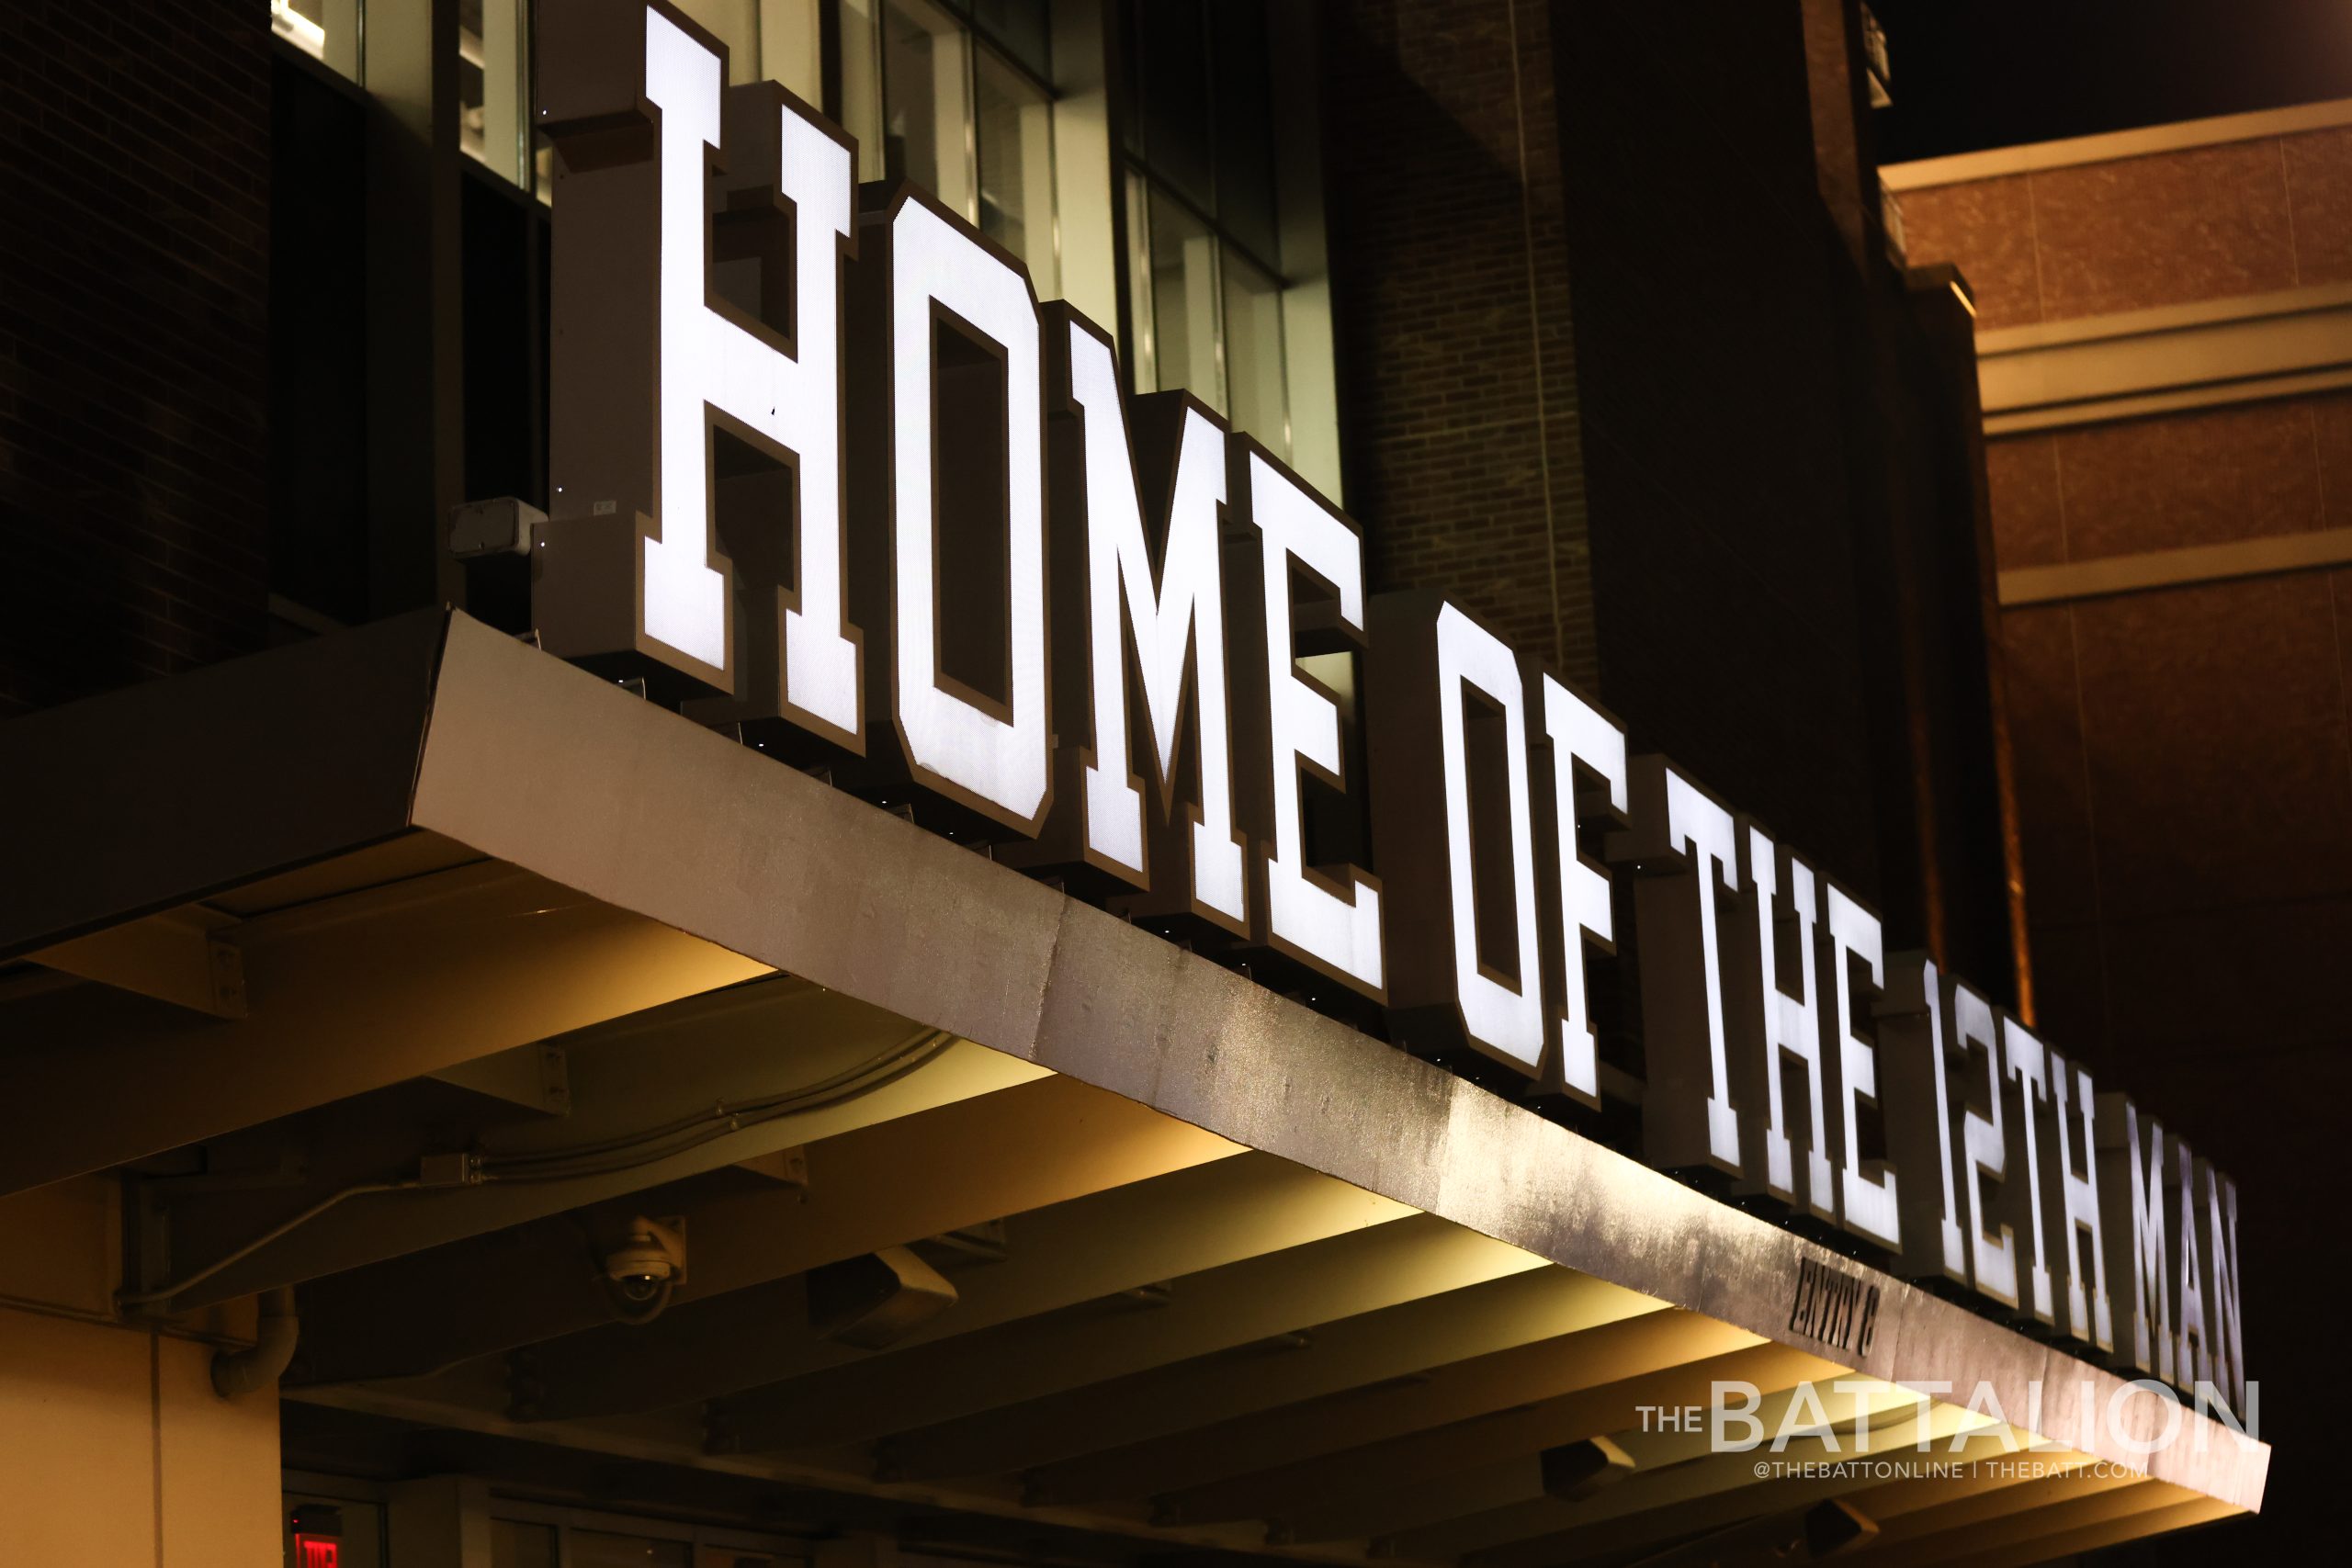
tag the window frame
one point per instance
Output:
(873, 151)
(1141, 352)
(1139, 184)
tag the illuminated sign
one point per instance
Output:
(823, 467)
(315, 1531)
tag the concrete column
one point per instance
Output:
(113, 1446)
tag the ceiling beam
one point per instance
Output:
(1721, 1491)
(1921, 1507)
(1499, 1483)
(1135, 1210)
(936, 935)
(436, 1407)
(1516, 1480)
(1332, 1355)
(1676, 1471)
(1532, 1396)
(922, 926)
(1010, 1149)
(344, 995)
(2091, 1514)
(1220, 1309)
(2066, 1544)
(657, 1069)
(174, 956)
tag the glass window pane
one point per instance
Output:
(513, 1544)
(470, 83)
(861, 36)
(927, 131)
(792, 46)
(595, 1548)
(326, 30)
(1184, 315)
(1254, 355)
(1130, 69)
(1171, 43)
(300, 23)
(1143, 368)
(736, 24)
(1245, 127)
(494, 83)
(1022, 26)
(1016, 147)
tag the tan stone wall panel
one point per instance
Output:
(77, 1443)
(2045, 711)
(2179, 985)
(2071, 987)
(99, 1425)
(221, 1487)
(2204, 478)
(1986, 230)
(2332, 435)
(2319, 183)
(2202, 224)
(2140, 233)
(2220, 770)
(2029, 514)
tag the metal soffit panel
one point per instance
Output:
(642, 803)
(1263, 1284)
(256, 766)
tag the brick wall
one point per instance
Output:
(1717, 333)
(1571, 405)
(2184, 755)
(2185, 771)
(2199, 223)
(1621, 371)
(1450, 288)
(134, 219)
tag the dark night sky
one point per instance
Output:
(1975, 74)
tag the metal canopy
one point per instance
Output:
(1229, 1276)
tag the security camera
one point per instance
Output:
(639, 1272)
(643, 1268)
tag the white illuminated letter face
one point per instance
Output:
(2221, 1303)
(685, 597)
(1182, 614)
(997, 764)
(1869, 1206)
(1505, 1016)
(2134, 1165)
(2028, 1065)
(1580, 737)
(2192, 1358)
(1954, 1251)
(1339, 932)
(1983, 1148)
(1705, 830)
(1688, 1115)
(2089, 1316)
(822, 677)
(1791, 1032)
(1917, 1106)
(709, 361)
